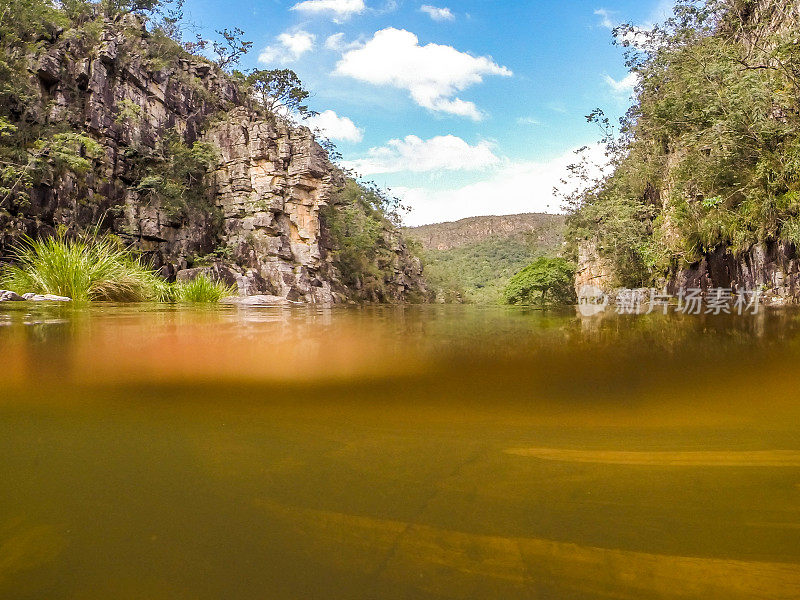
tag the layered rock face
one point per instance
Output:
(86, 88)
(592, 269)
(263, 196)
(771, 267)
(270, 184)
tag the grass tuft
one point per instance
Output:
(90, 268)
(201, 289)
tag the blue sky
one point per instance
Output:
(460, 107)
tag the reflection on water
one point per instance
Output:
(408, 452)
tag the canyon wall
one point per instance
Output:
(257, 222)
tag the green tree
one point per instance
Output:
(232, 48)
(279, 90)
(545, 281)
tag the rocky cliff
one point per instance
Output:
(253, 215)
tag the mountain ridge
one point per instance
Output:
(447, 235)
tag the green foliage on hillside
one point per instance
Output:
(360, 220)
(173, 175)
(709, 155)
(546, 281)
(477, 272)
(481, 255)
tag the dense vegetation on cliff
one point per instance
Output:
(109, 120)
(708, 158)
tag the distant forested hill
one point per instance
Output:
(473, 259)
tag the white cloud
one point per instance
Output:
(528, 121)
(433, 74)
(516, 187)
(290, 47)
(335, 127)
(636, 36)
(413, 154)
(623, 86)
(340, 9)
(337, 43)
(605, 18)
(438, 14)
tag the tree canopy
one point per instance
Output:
(279, 90)
(546, 281)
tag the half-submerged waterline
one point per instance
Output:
(406, 452)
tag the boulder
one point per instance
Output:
(9, 296)
(47, 298)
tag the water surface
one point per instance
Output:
(405, 452)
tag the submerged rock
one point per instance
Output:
(258, 300)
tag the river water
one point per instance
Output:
(158, 452)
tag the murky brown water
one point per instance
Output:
(384, 453)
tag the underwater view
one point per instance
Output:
(397, 452)
(389, 300)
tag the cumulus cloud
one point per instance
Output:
(433, 74)
(438, 14)
(289, 47)
(623, 86)
(413, 154)
(334, 127)
(337, 43)
(339, 9)
(511, 188)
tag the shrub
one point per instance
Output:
(91, 268)
(201, 289)
(545, 281)
(173, 175)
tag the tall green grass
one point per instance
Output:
(201, 289)
(91, 268)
